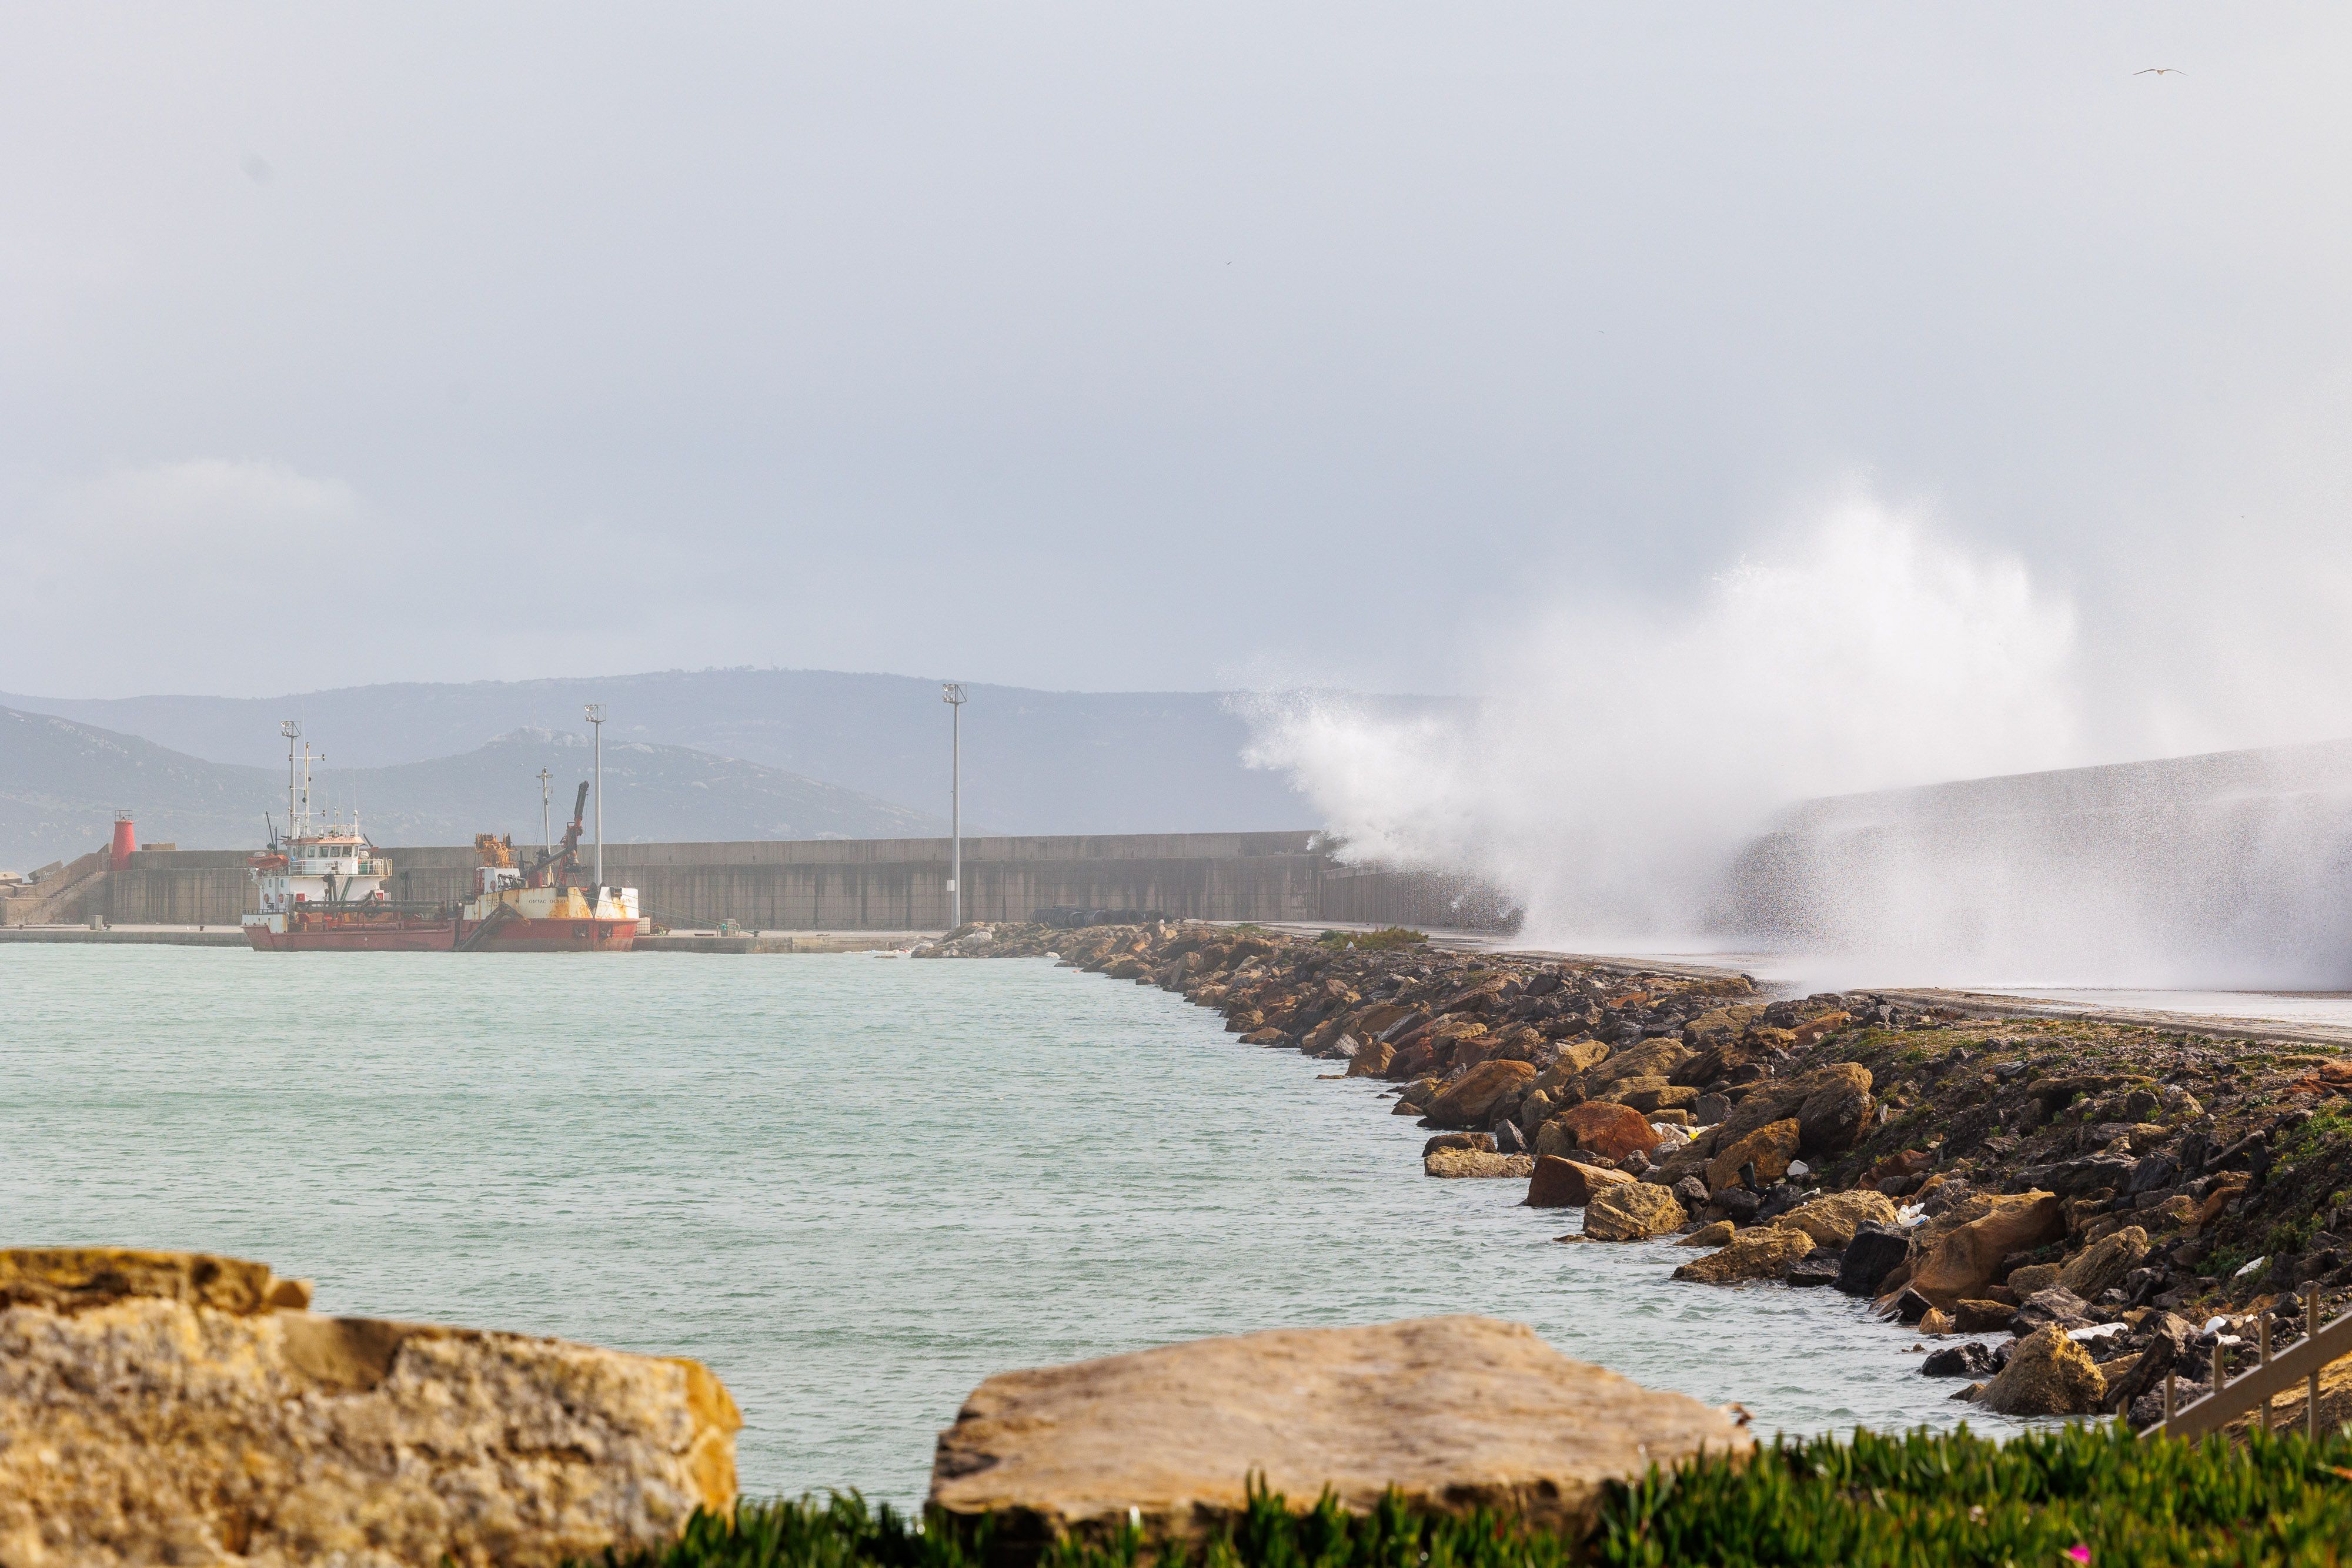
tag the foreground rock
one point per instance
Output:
(179, 1407)
(1459, 1413)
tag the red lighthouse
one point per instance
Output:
(126, 838)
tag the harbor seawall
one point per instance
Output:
(896, 884)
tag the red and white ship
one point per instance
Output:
(323, 891)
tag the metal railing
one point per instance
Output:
(2272, 1376)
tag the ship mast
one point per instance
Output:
(298, 781)
(292, 730)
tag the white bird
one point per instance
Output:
(2161, 72)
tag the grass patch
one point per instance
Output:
(2330, 1127)
(1388, 939)
(2040, 1498)
(1962, 1499)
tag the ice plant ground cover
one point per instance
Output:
(2073, 1495)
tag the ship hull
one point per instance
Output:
(552, 936)
(514, 936)
(355, 937)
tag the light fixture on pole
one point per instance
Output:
(596, 725)
(951, 694)
(546, 825)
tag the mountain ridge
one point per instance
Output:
(61, 783)
(1034, 761)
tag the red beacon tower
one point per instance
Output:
(126, 839)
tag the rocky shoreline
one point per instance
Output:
(2060, 1212)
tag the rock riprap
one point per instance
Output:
(184, 1409)
(1458, 1412)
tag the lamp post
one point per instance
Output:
(951, 694)
(596, 727)
(546, 825)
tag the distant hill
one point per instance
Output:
(1034, 761)
(61, 783)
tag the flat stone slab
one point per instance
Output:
(1458, 1412)
(181, 1407)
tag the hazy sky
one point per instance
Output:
(1116, 346)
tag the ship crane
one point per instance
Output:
(554, 866)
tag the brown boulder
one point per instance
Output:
(1982, 1317)
(1568, 1183)
(2032, 1279)
(1964, 1262)
(2047, 1375)
(1459, 1162)
(1769, 1148)
(1833, 1115)
(2103, 1264)
(1779, 1099)
(1371, 1060)
(1813, 1028)
(1603, 1128)
(1632, 1212)
(1457, 1413)
(1576, 1056)
(1896, 1167)
(175, 1416)
(1651, 1100)
(1764, 1252)
(1643, 1059)
(1832, 1220)
(1715, 1235)
(1470, 1100)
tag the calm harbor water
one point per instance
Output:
(853, 1186)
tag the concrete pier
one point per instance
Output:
(888, 884)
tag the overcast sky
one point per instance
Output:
(1176, 345)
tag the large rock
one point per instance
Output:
(1874, 1252)
(1962, 1264)
(164, 1408)
(1835, 1110)
(1644, 1058)
(1763, 1252)
(1569, 1184)
(1477, 1163)
(1632, 1212)
(1470, 1100)
(1649, 1101)
(1769, 1148)
(1601, 1128)
(2104, 1263)
(1832, 1220)
(2047, 1375)
(1458, 1412)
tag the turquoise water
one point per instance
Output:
(853, 1186)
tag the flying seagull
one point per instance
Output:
(2161, 72)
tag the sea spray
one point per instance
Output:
(1623, 756)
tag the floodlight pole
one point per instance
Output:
(951, 694)
(546, 825)
(596, 727)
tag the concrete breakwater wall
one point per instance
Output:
(898, 884)
(2230, 869)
